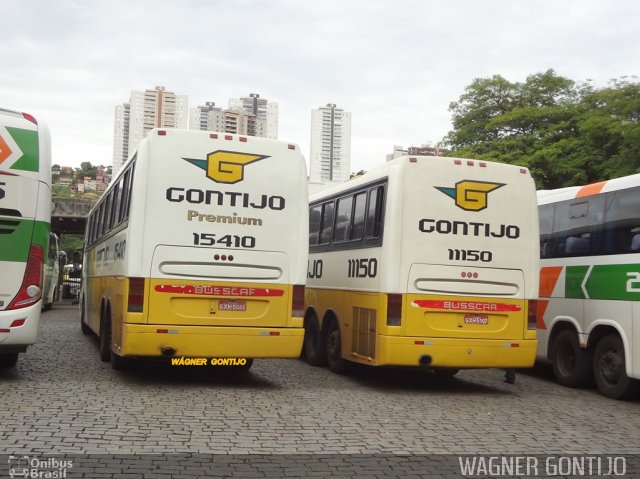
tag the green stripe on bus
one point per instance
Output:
(608, 281)
(27, 141)
(15, 246)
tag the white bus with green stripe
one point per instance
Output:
(589, 309)
(25, 219)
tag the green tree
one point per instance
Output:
(70, 243)
(567, 133)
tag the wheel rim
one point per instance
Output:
(610, 366)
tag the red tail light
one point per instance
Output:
(394, 309)
(31, 118)
(532, 314)
(297, 301)
(31, 289)
(135, 301)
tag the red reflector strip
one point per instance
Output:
(243, 139)
(469, 163)
(274, 333)
(167, 331)
(419, 342)
(511, 345)
(523, 171)
(482, 164)
(228, 137)
(292, 147)
(217, 290)
(213, 135)
(162, 133)
(17, 322)
(413, 160)
(5, 330)
(457, 162)
(448, 305)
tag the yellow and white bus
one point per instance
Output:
(424, 261)
(198, 249)
(25, 222)
(590, 285)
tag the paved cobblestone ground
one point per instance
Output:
(61, 399)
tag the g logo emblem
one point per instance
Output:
(226, 166)
(470, 195)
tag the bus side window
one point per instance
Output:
(357, 228)
(547, 245)
(315, 216)
(343, 219)
(327, 223)
(622, 222)
(374, 213)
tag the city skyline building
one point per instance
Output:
(157, 108)
(330, 156)
(426, 149)
(264, 112)
(251, 116)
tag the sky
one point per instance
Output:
(396, 65)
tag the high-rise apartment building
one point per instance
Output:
(252, 116)
(146, 110)
(423, 150)
(261, 115)
(330, 157)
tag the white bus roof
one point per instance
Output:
(571, 192)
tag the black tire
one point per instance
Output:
(334, 349)
(313, 348)
(246, 366)
(86, 330)
(609, 369)
(571, 364)
(118, 363)
(8, 360)
(445, 372)
(105, 337)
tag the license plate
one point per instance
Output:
(232, 305)
(476, 319)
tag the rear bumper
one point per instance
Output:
(457, 353)
(211, 341)
(20, 337)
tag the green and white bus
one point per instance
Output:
(589, 310)
(25, 223)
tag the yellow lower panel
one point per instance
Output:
(457, 353)
(223, 342)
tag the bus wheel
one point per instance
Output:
(118, 363)
(571, 365)
(246, 366)
(8, 360)
(314, 351)
(86, 330)
(105, 338)
(444, 373)
(334, 349)
(609, 369)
